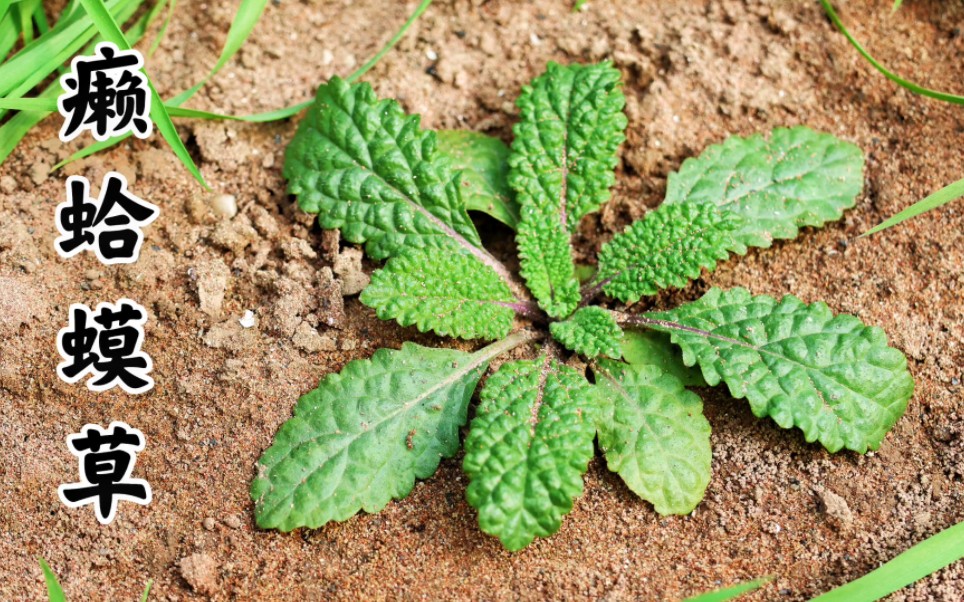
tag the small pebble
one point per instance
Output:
(8, 185)
(247, 321)
(233, 521)
(209, 523)
(225, 205)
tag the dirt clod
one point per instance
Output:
(212, 282)
(834, 505)
(201, 573)
(348, 267)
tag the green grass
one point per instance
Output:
(732, 592)
(915, 88)
(925, 558)
(941, 197)
(55, 593)
(929, 556)
(85, 22)
(30, 65)
(922, 560)
(111, 32)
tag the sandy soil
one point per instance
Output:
(695, 72)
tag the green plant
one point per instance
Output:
(76, 29)
(366, 434)
(945, 195)
(732, 592)
(925, 558)
(55, 593)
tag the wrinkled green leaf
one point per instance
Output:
(546, 259)
(585, 273)
(366, 167)
(451, 293)
(561, 168)
(365, 434)
(590, 331)
(652, 348)
(654, 435)
(667, 248)
(484, 162)
(797, 177)
(831, 376)
(528, 447)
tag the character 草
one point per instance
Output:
(110, 225)
(106, 344)
(106, 459)
(107, 94)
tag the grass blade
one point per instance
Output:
(12, 132)
(391, 43)
(37, 103)
(244, 21)
(163, 30)
(8, 29)
(267, 116)
(55, 593)
(175, 110)
(941, 197)
(36, 61)
(25, 14)
(932, 554)
(40, 18)
(888, 74)
(729, 593)
(140, 27)
(109, 29)
(147, 590)
(247, 17)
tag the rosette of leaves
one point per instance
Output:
(366, 434)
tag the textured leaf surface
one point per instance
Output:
(667, 248)
(366, 167)
(590, 331)
(485, 164)
(831, 376)
(652, 348)
(451, 293)
(528, 447)
(798, 177)
(561, 167)
(364, 435)
(654, 435)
